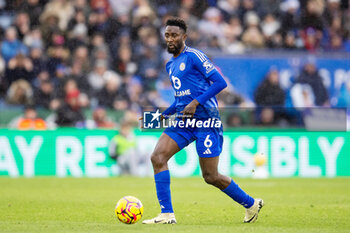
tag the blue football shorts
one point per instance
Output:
(208, 140)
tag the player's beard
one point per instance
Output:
(175, 49)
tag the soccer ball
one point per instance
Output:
(129, 210)
(260, 159)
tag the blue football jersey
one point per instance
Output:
(188, 75)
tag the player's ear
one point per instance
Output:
(184, 37)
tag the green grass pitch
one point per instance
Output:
(87, 205)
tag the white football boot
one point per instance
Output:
(162, 218)
(251, 214)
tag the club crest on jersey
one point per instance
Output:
(208, 66)
(182, 66)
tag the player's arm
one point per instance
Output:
(218, 84)
(204, 66)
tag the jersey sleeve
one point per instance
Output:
(201, 63)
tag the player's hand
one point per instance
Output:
(190, 109)
(141, 119)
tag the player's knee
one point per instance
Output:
(211, 179)
(157, 160)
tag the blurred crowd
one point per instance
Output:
(71, 55)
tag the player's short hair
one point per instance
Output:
(175, 21)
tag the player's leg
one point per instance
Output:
(210, 173)
(164, 150)
(209, 167)
(209, 146)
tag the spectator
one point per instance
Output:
(49, 24)
(302, 96)
(3, 80)
(290, 42)
(123, 62)
(229, 8)
(31, 121)
(78, 36)
(71, 86)
(101, 4)
(344, 96)
(20, 67)
(234, 120)
(311, 39)
(212, 24)
(252, 36)
(228, 97)
(247, 6)
(101, 53)
(332, 10)
(232, 33)
(81, 57)
(97, 40)
(111, 94)
(20, 93)
(34, 10)
(311, 77)
(36, 56)
(82, 5)
(123, 149)
(335, 44)
(79, 75)
(312, 15)
(270, 27)
(100, 22)
(267, 117)
(33, 39)
(269, 92)
(42, 76)
(46, 97)
(98, 77)
(70, 114)
(12, 46)
(63, 9)
(22, 24)
(121, 7)
(100, 120)
(289, 16)
(149, 64)
(58, 56)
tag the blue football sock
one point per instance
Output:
(238, 195)
(162, 180)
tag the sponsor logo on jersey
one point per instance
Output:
(208, 66)
(183, 93)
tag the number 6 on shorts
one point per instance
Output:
(207, 142)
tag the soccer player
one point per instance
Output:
(196, 82)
